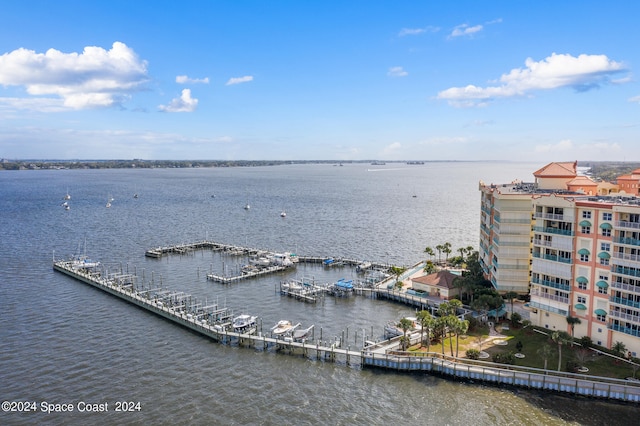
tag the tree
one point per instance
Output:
(429, 252)
(461, 328)
(619, 348)
(405, 324)
(510, 295)
(561, 338)
(545, 352)
(429, 267)
(439, 249)
(397, 271)
(446, 249)
(572, 321)
(426, 323)
(447, 310)
(440, 328)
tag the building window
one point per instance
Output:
(584, 258)
(605, 246)
(604, 262)
(601, 318)
(582, 299)
(607, 216)
(582, 286)
(585, 229)
(606, 232)
(586, 214)
(602, 290)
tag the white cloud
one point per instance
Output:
(558, 70)
(185, 103)
(635, 99)
(91, 79)
(465, 30)
(183, 79)
(238, 80)
(449, 140)
(397, 72)
(32, 104)
(416, 31)
(562, 146)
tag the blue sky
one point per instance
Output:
(331, 80)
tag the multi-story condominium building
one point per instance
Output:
(584, 257)
(505, 225)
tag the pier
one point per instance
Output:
(211, 321)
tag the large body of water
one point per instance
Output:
(62, 341)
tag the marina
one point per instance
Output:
(219, 324)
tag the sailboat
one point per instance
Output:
(67, 196)
(109, 201)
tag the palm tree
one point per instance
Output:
(429, 252)
(460, 329)
(510, 295)
(545, 353)
(439, 249)
(405, 324)
(446, 249)
(572, 321)
(426, 322)
(440, 327)
(397, 271)
(561, 338)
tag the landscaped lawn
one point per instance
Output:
(598, 364)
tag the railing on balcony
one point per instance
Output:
(627, 224)
(626, 287)
(625, 302)
(556, 231)
(552, 257)
(552, 284)
(548, 296)
(626, 256)
(625, 330)
(550, 216)
(627, 241)
(548, 308)
(623, 316)
(623, 270)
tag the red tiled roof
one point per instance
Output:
(442, 278)
(551, 170)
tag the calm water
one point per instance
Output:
(64, 342)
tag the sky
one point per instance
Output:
(320, 80)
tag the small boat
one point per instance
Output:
(283, 214)
(283, 327)
(135, 195)
(247, 206)
(244, 323)
(392, 328)
(108, 204)
(302, 335)
(363, 266)
(67, 196)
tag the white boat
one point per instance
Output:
(392, 328)
(244, 323)
(83, 262)
(247, 206)
(259, 261)
(67, 196)
(108, 204)
(281, 259)
(283, 327)
(283, 214)
(302, 335)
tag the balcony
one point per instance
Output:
(553, 258)
(550, 216)
(623, 316)
(626, 287)
(626, 224)
(548, 296)
(627, 241)
(625, 330)
(622, 270)
(552, 284)
(625, 256)
(625, 302)
(556, 231)
(548, 308)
